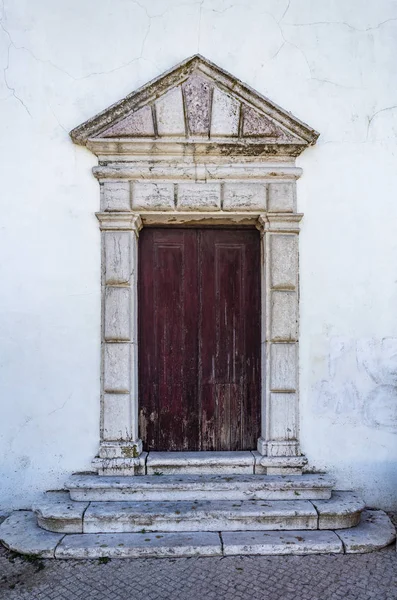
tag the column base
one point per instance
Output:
(279, 465)
(273, 448)
(131, 449)
(278, 458)
(120, 466)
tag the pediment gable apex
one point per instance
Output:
(198, 101)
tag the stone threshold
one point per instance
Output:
(20, 533)
(205, 463)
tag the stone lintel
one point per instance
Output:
(194, 147)
(192, 169)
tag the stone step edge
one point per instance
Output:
(122, 481)
(85, 488)
(20, 533)
(91, 480)
(57, 513)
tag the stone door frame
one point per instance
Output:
(279, 332)
(168, 180)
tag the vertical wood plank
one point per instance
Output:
(168, 338)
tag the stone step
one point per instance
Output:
(200, 463)
(199, 487)
(58, 513)
(119, 463)
(200, 515)
(20, 533)
(223, 463)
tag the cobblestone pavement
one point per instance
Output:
(349, 577)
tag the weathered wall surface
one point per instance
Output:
(330, 64)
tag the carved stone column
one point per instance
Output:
(280, 299)
(119, 401)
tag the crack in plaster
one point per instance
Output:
(30, 419)
(285, 12)
(343, 23)
(92, 74)
(287, 42)
(6, 68)
(12, 44)
(375, 114)
(199, 25)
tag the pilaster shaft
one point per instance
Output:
(280, 300)
(119, 402)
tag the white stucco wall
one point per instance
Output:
(332, 64)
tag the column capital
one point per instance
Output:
(279, 222)
(122, 221)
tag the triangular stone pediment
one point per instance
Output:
(197, 101)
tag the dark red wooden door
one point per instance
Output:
(199, 338)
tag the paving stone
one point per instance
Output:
(374, 531)
(283, 542)
(58, 513)
(21, 533)
(112, 517)
(342, 510)
(199, 487)
(327, 577)
(129, 545)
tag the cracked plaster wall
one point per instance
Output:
(331, 64)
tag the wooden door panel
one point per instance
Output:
(168, 331)
(230, 336)
(199, 339)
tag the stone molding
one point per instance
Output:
(197, 101)
(194, 170)
(120, 221)
(178, 178)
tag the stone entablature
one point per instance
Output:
(229, 160)
(199, 196)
